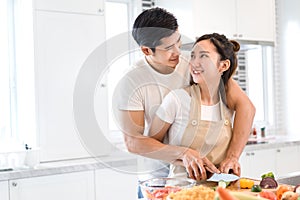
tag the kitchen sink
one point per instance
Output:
(290, 179)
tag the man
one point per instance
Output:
(141, 91)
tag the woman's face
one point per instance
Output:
(205, 63)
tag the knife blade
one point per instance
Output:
(223, 177)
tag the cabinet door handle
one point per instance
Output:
(235, 35)
(278, 150)
(240, 35)
(14, 184)
(252, 153)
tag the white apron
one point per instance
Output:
(211, 139)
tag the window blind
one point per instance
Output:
(241, 75)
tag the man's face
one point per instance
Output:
(167, 54)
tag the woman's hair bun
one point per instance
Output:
(236, 45)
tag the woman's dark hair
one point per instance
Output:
(152, 25)
(227, 49)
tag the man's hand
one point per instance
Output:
(230, 165)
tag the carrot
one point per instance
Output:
(224, 194)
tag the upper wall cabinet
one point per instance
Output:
(252, 20)
(73, 6)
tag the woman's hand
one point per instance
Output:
(230, 165)
(196, 165)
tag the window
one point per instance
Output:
(255, 77)
(17, 113)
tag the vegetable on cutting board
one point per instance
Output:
(268, 195)
(223, 184)
(224, 194)
(268, 183)
(256, 188)
(289, 195)
(282, 189)
(269, 174)
(246, 183)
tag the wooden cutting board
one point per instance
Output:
(235, 186)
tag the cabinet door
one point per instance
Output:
(63, 42)
(4, 195)
(243, 20)
(116, 184)
(214, 16)
(262, 161)
(256, 163)
(256, 19)
(287, 160)
(73, 6)
(73, 186)
(245, 164)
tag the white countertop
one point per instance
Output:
(117, 159)
(272, 142)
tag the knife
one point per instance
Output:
(223, 177)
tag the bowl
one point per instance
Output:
(160, 188)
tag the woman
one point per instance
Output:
(197, 116)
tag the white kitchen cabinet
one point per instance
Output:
(237, 19)
(116, 184)
(214, 16)
(255, 163)
(4, 194)
(72, 6)
(287, 160)
(256, 20)
(74, 186)
(63, 42)
(279, 160)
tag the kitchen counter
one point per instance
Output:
(119, 159)
(271, 142)
(116, 160)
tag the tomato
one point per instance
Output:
(160, 194)
(268, 195)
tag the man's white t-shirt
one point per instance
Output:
(143, 89)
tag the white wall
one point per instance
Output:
(183, 12)
(289, 44)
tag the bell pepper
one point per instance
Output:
(246, 183)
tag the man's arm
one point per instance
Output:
(133, 126)
(244, 115)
